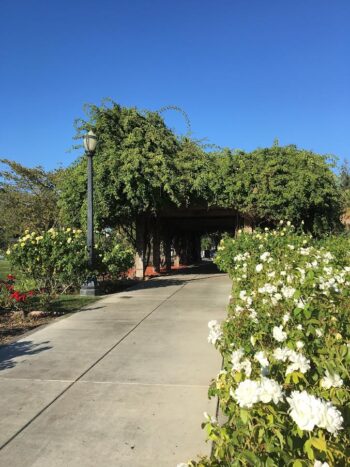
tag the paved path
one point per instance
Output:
(123, 383)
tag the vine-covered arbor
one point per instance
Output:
(166, 191)
(180, 230)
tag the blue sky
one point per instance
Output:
(245, 71)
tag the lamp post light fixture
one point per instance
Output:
(90, 142)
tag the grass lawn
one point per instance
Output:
(70, 303)
(4, 268)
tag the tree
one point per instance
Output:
(28, 199)
(344, 182)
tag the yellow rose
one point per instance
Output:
(8, 252)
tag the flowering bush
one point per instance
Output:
(11, 298)
(56, 260)
(284, 386)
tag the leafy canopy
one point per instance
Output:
(134, 166)
(283, 182)
(141, 166)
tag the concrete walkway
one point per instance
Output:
(123, 383)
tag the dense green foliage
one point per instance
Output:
(284, 389)
(114, 254)
(141, 166)
(134, 167)
(284, 182)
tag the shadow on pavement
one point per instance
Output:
(18, 349)
(206, 269)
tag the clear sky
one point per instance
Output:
(245, 71)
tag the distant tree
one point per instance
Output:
(28, 199)
(344, 176)
(344, 182)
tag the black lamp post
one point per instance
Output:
(90, 141)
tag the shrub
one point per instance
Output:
(115, 255)
(56, 260)
(284, 385)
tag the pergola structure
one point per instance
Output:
(180, 229)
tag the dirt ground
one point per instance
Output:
(13, 324)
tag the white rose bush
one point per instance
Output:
(284, 387)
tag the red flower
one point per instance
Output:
(10, 277)
(19, 297)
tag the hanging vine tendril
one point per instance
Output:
(182, 112)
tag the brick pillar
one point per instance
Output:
(197, 248)
(167, 252)
(140, 249)
(156, 249)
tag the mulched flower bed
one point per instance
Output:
(13, 324)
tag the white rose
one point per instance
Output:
(287, 292)
(299, 363)
(261, 358)
(265, 256)
(304, 409)
(330, 418)
(299, 345)
(215, 332)
(281, 354)
(270, 390)
(331, 380)
(279, 334)
(286, 318)
(247, 393)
